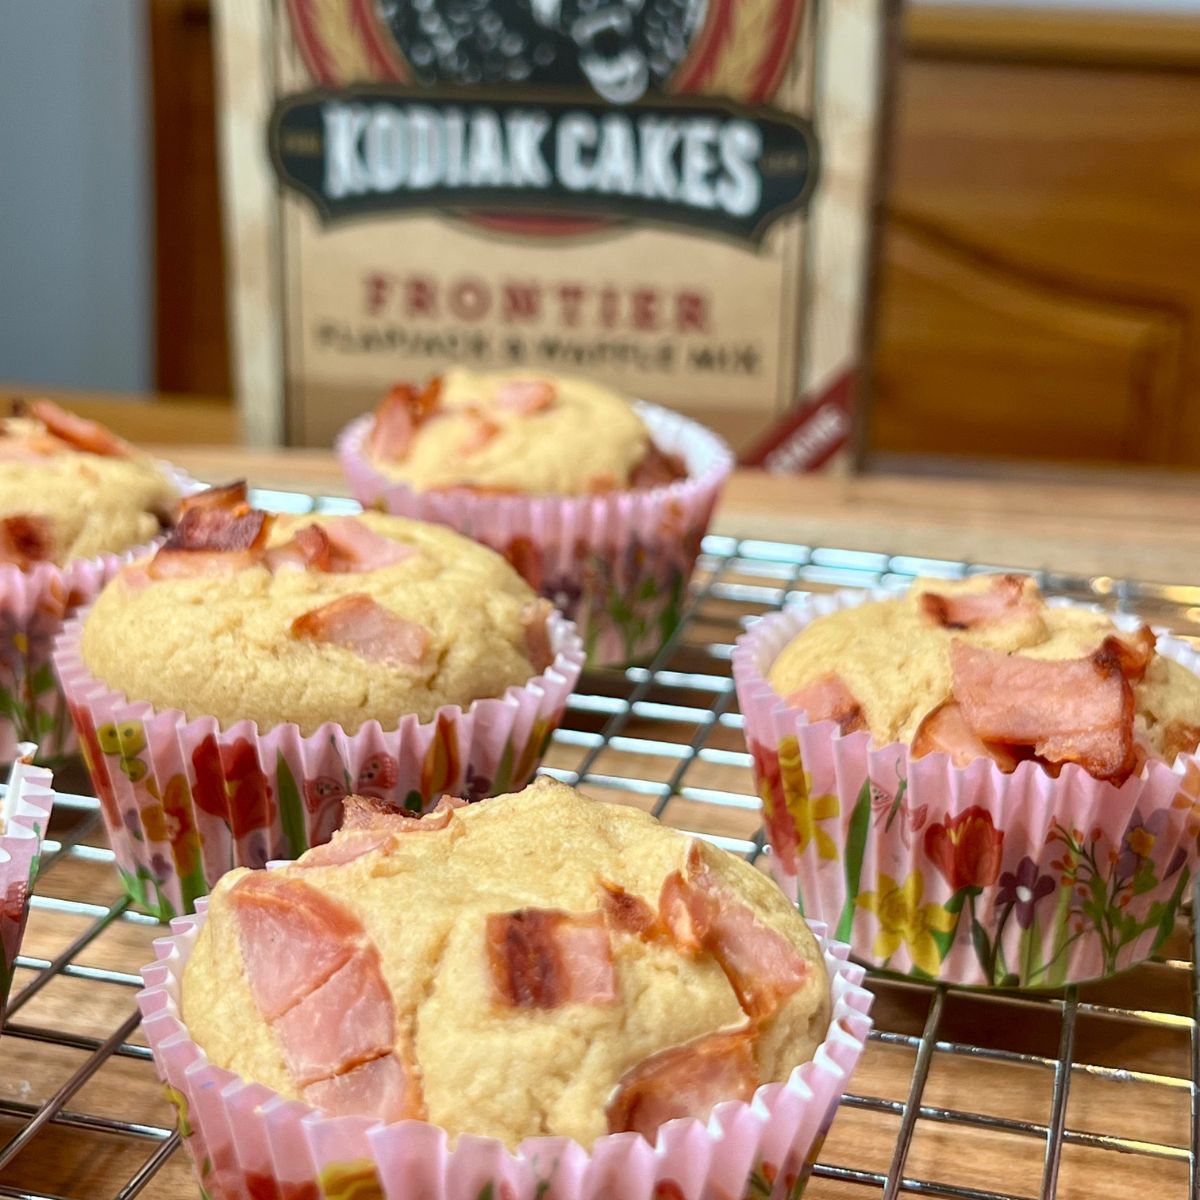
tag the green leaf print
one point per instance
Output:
(856, 844)
(503, 778)
(139, 889)
(42, 680)
(757, 1185)
(291, 808)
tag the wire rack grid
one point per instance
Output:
(1091, 1092)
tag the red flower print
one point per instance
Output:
(440, 770)
(263, 1187)
(781, 830)
(231, 785)
(170, 820)
(966, 849)
(93, 758)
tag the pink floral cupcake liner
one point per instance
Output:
(34, 604)
(24, 815)
(184, 801)
(245, 1140)
(617, 564)
(965, 874)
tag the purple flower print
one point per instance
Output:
(1023, 888)
(476, 786)
(1138, 842)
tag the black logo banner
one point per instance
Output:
(699, 162)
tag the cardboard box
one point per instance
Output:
(673, 196)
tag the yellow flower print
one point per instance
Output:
(351, 1181)
(179, 1103)
(127, 738)
(1188, 796)
(903, 919)
(170, 820)
(805, 808)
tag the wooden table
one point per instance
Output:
(1148, 531)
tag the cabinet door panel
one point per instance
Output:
(1038, 288)
(979, 358)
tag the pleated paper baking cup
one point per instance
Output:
(618, 564)
(245, 1140)
(34, 604)
(24, 815)
(965, 874)
(184, 801)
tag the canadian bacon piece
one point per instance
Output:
(358, 623)
(369, 824)
(1133, 651)
(762, 966)
(212, 540)
(525, 396)
(318, 982)
(1007, 597)
(535, 618)
(684, 1081)
(657, 469)
(293, 938)
(233, 496)
(351, 845)
(945, 729)
(229, 530)
(381, 1088)
(79, 431)
(356, 547)
(400, 414)
(829, 699)
(345, 1021)
(1074, 710)
(482, 432)
(26, 539)
(368, 812)
(545, 958)
(307, 547)
(626, 912)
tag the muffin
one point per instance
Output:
(73, 498)
(70, 489)
(599, 502)
(510, 432)
(341, 619)
(985, 668)
(974, 785)
(578, 971)
(230, 690)
(24, 815)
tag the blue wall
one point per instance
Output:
(76, 239)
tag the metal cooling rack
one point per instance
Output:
(1091, 1092)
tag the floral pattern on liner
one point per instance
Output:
(244, 1140)
(185, 801)
(34, 604)
(618, 564)
(20, 845)
(965, 874)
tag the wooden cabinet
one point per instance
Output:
(1040, 275)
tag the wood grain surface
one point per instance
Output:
(1140, 1023)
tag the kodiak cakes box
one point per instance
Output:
(671, 196)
